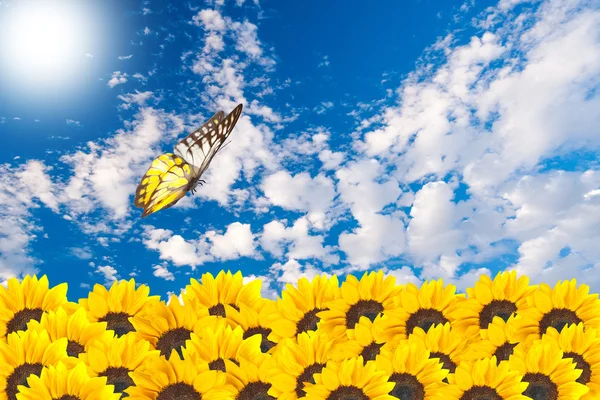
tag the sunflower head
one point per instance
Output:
(297, 308)
(168, 326)
(566, 304)
(501, 297)
(449, 346)
(366, 339)
(215, 345)
(255, 320)
(409, 366)
(64, 382)
(251, 377)
(499, 340)
(484, 379)
(350, 379)
(548, 373)
(78, 330)
(295, 361)
(176, 378)
(583, 347)
(369, 297)
(117, 357)
(117, 305)
(226, 289)
(25, 353)
(27, 300)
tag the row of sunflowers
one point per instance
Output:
(364, 339)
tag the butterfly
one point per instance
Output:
(172, 175)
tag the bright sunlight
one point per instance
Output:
(41, 41)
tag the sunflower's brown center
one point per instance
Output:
(255, 391)
(68, 397)
(219, 364)
(118, 322)
(179, 391)
(173, 339)
(20, 319)
(407, 387)
(504, 351)
(558, 318)
(371, 351)
(497, 308)
(364, 308)
(74, 348)
(307, 376)
(481, 393)
(540, 387)
(444, 359)
(309, 321)
(347, 393)
(424, 318)
(583, 365)
(19, 377)
(118, 376)
(219, 310)
(265, 344)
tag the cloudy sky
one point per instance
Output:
(430, 138)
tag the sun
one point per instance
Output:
(42, 40)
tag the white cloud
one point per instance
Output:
(82, 253)
(237, 241)
(109, 273)
(161, 271)
(117, 79)
(175, 248)
(138, 98)
(73, 122)
(276, 237)
(292, 271)
(331, 160)
(299, 192)
(125, 57)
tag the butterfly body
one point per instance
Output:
(172, 175)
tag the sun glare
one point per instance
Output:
(41, 41)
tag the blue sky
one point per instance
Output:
(431, 139)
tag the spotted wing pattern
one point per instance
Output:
(199, 148)
(164, 184)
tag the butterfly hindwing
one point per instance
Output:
(164, 184)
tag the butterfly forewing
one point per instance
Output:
(164, 184)
(185, 149)
(221, 134)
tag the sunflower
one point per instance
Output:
(499, 339)
(178, 378)
(415, 374)
(226, 289)
(364, 340)
(25, 353)
(443, 343)
(214, 346)
(350, 379)
(430, 305)
(295, 361)
(117, 305)
(485, 379)
(168, 326)
(24, 301)
(489, 298)
(368, 297)
(255, 320)
(117, 357)
(550, 376)
(583, 347)
(297, 308)
(250, 378)
(61, 382)
(566, 304)
(78, 330)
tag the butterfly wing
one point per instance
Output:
(164, 184)
(182, 149)
(199, 148)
